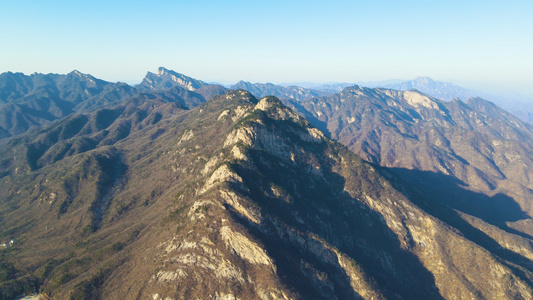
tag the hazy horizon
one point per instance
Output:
(482, 43)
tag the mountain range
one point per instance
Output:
(178, 189)
(441, 90)
(447, 91)
(269, 89)
(471, 146)
(519, 105)
(31, 101)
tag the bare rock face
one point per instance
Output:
(240, 198)
(165, 79)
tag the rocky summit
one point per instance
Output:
(212, 194)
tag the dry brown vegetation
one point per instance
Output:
(240, 197)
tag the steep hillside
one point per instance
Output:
(236, 198)
(39, 99)
(454, 147)
(79, 133)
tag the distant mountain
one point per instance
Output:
(38, 99)
(438, 89)
(165, 79)
(474, 143)
(106, 98)
(73, 87)
(211, 90)
(333, 87)
(269, 89)
(521, 109)
(448, 92)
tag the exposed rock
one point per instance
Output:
(245, 248)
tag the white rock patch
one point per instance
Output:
(244, 248)
(416, 99)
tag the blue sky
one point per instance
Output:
(468, 42)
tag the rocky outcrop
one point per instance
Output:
(165, 79)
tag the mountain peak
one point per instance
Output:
(77, 73)
(438, 89)
(424, 79)
(485, 106)
(83, 76)
(351, 88)
(163, 71)
(282, 92)
(240, 95)
(166, 79)
(268, 102)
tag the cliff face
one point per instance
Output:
(166, 79)
(239, 198)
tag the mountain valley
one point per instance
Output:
(179, 189)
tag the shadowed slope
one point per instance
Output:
(476, 142)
